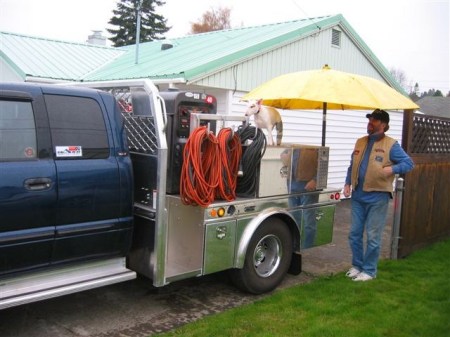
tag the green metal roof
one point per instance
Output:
(53, 59)
(194, 55)
(191, 57)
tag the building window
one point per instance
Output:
(336, 38)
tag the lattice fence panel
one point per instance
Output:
(141, 134)
(430, 135)
(425, 215)
(141, 130)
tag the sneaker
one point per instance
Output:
(363, 277)
(352, 272)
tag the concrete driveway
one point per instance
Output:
(135, 308)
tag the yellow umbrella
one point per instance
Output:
(329, 89)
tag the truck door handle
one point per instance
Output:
(38, 184)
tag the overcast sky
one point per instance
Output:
(410, 35)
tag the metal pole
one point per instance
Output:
(324, 123)
(399, 188)
(138, 29)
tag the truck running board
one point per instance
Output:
(60, 281)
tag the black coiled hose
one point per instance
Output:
(251, 158)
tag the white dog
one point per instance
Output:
(266, 117)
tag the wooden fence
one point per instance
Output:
(425, 216)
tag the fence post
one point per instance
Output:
(399, 188)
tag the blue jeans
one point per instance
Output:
(309, 215)
(372, 218)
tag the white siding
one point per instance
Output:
(307, 53)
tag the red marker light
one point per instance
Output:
(209, 99)
(337, 196)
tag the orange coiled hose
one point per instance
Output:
(199, 173)
(210, 167)
(230, 153)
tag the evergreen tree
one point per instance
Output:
(153, 25)
(416, 89)
(430, 92)
(415, 93)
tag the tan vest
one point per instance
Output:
(307, 165)
(375, 180)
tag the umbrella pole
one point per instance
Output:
(324, 123)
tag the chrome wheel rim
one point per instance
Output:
(267, 255)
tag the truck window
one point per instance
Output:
(77, 127)
(17, 131)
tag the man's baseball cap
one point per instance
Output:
(380, 115)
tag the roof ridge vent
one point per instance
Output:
(166, 44)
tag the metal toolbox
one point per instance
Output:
(281, 165)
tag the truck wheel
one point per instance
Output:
(267, 259)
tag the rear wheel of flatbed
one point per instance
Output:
(267, 259)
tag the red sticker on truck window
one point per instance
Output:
(29, 152)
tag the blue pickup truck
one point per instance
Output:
(65, 190)
(90, 194)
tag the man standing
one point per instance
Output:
(375, 160)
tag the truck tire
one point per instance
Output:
(267, 259)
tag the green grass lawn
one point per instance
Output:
(410, 297)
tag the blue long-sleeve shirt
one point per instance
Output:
(402, 163)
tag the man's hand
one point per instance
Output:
(347, 191)
(311, 185)
(388, 171)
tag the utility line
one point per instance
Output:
(306, 14)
